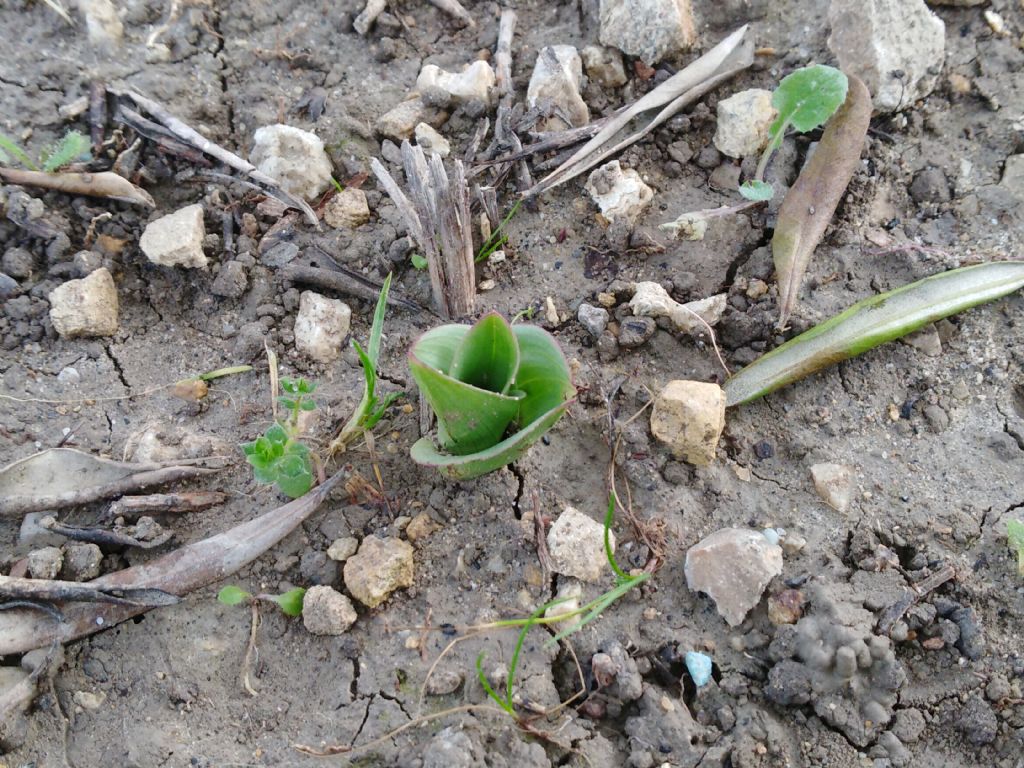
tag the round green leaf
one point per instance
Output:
(294, 475)
(232, 595)
(755, 189)
(488, 356)
(808, 97)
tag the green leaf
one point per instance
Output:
(291, 601)
(436, 347)
(808, 97)
(232, 595)
(873, 321)
(469, 419)
(287, 402)
(307, 405)
(1015, 538)
(71, 148)
(276, 434)
(488, 356)
(755, 189)
(294, 475)
(377, 327)
(291, 386)
(543, 374)
(306, 387)
(418, 261)
(497, 456)
(13, 149)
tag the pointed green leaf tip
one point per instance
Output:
(482, 380)
(290, 602)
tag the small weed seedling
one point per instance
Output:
(805, 100)
(497, 239)
(279, 456)
(482, 381)
(586, 613)
(74, 147)
(289, 602)
(371, 409)
(1015, 538)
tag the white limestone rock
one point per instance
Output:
(576, 546)
(294, 158)
(733, 566)
(321, 326)
(620, 194)
(744, 120)
(176, 240)
(86, 307)
(689, 417)
(555, 88)
(648, 29)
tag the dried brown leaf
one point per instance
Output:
(810, 203)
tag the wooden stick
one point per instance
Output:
(454, 8)
(503, 52)
(178, 572)
(200, 142)
(49, 590)
(342, 282)
(187, 501)
(105, 184)
(365, 20)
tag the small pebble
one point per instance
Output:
(699, 667)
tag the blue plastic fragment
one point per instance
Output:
(771, 534)
(699, 667)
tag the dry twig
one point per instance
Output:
(104, 184)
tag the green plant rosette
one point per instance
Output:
(495, 389)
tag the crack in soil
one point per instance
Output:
(521, 483)
(366, 716)
(109, 349)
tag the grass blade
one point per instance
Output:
(874, 321)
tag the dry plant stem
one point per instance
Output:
(48, 590)
(178, 572)
(191, 136)
(342, 282)
(97, 114)
(17, 697)
(251, 653)
(912, 596)
(711, 335)
(682, 88)
(21, 505)
(369, 14)
(101, 536)
(454, 8)
(275, 387)
(439, 221)
(503, 52)
(341, 749)
(105, 184)
(433, 667)
(188, 501)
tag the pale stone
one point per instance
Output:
(604, 66)
(321, 326)
(689, 417)
(420, 527)
(1013, 176)
(347, 209)
(744, 122)
(102, 22)
(81, 562)
(926, 340)
(379, 568)
(650, 299)
(733, 566)
(648, 29)
(834, 483)
(555, 88)
(594, 319)
(569, 592)
(400, 121)
(342, 549)
(89, 700)
(45, 563)
(86, 307)
(176, 240)
(474, 82)
(576, 546)
(432, 142)
(896, 47)
(621, 195)
(294, 158)
(325, 611)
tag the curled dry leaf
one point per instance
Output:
(811, 201)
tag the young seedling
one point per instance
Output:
(279, 456)
(72, 148)
(197, 387)
(1015, 539)
(497, 238)
(587, 613)
(480, 381)
(370, 409)
(289, 602)
(805, 100)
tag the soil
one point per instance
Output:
(936, 442)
